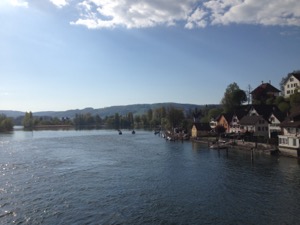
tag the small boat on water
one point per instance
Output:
(133, 132)
(156, 132)
(120, 132)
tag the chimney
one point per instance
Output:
(262, 82)
(269, 81)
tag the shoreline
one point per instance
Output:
(267, 149)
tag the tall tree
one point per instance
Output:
(174, 117)
(117, 121)
(28, 121)
(233, 97)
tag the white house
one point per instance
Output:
(292, 84)
(236, 118)
(275, 119)
(289, 141)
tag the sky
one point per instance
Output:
(72, 54)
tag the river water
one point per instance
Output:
(100, 177)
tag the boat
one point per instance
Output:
(120, 132)
(156, 132)
(133, 132)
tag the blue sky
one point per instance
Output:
(72, 54)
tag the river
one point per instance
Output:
(100, 177)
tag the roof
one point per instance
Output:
(202, 126)
(292, 120)
(267, 110)
(264, 88)
(240, 113)
(287, 123)
(227, 116)
(250, 120)
(279, 115)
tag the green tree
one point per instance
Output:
(214, 112)
(145, 121)
(6, 124)
(137, 120)
(284, 107)
(150, 115)
(117, 121)
(175, 117)
(233, 97)
(28, 121)
(278, 100)
(98, 120)
(295, 100)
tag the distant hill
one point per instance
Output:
(11, 113)
(136, 109)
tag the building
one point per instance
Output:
(271, 114)
(275, 119)
(292, 84)
(224, 120)
(255, 124)
(289, 141)
(200, 129)
(263, 92)
(234, 126)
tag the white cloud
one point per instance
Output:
(193, 13)
(196, 19)
(97, 14)
(59, 3)
(266, 12)
(19, 3)
(133, 13)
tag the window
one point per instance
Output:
(288, 86)
(291, 79)
(294, 142)
(288, 92)
(258, 128)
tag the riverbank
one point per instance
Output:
(242, 145)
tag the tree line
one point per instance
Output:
(162, 117)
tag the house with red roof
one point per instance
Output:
(264, 92)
